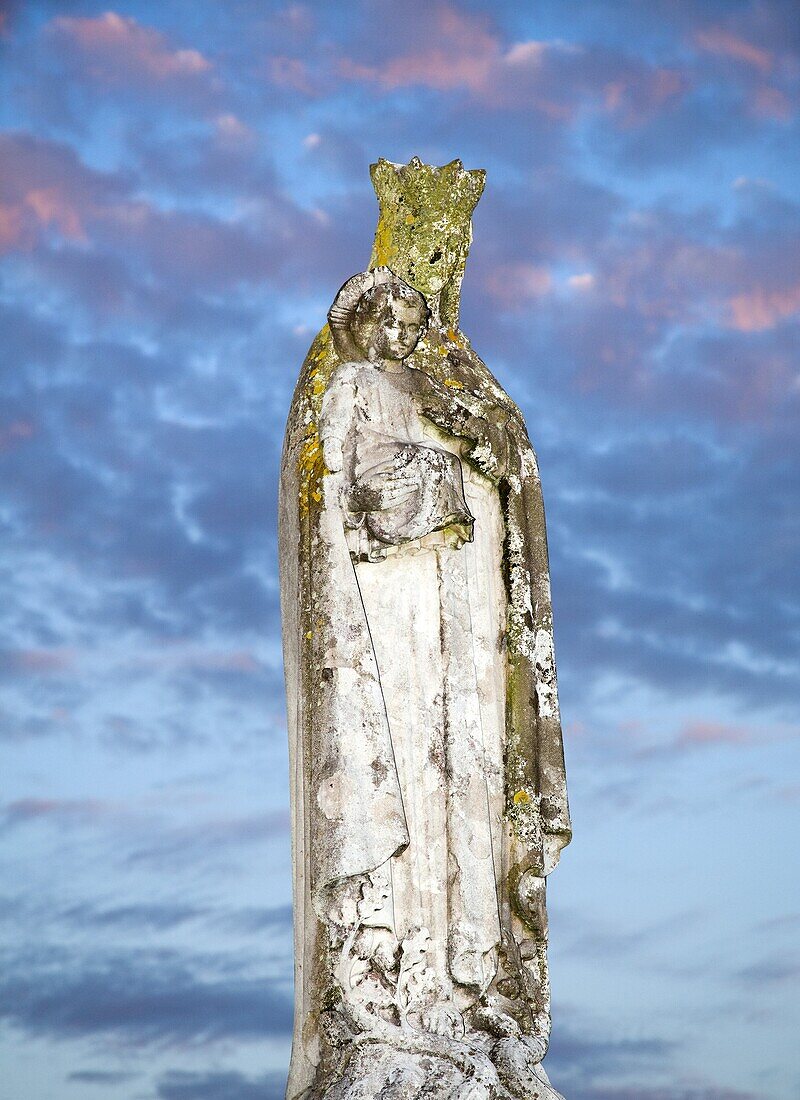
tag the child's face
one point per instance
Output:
(398, 333)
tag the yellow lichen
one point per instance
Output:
(383, 250)
(310, 468)
(521, 797)
(424, 231)
(320, 362)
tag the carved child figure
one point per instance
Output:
(399, 488)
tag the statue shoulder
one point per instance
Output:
(348, 374)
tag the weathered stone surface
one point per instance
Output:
(428, 789)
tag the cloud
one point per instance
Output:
(139, 997)
(466, 59)
(660, 600)
(204, 840)
(512, 286)
(602, 1068)
(772, 103)
(724, 43)
(763, 308)
(45, 188)
(100, 1077)
(47, 192)
(58, 812)
(448, 50)
(259, 919)
(107, 919)
(292, 74)
(90, 445)
(767, 974)
(666, 289)
(574, 1060)
(231, 1085)
(669, 1092)
(714, 733)
(146, 916)
(35, 662)
(145, 835)
(117, 51)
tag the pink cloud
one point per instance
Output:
(769, 102)
(465, 56)
(44, 189)
(12, 228)
(47, 192)
(702, 733)
(231, 132)
(60, 811)
(298, 18)
(53, 208)
(635, 97)
(512, 286)
(35, 212)
(115, 49)
(713, 733)
(459, 52)
(16, 432)
(654, 275)
(724, 43)
(209, 660)
(39, 661)
(759, 309)
(584, 281)
(292, 74)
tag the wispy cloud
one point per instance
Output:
(229, 1085)
(140, 997)
(101, 1077)
(724, 43)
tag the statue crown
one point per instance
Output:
(424, 187)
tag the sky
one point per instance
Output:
(183, 188)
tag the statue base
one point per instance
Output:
(431, 1068)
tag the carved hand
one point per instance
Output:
(382, 491)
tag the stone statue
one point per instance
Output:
(428, 786)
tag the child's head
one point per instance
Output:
(388, 320)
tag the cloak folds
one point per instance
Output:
(347, 805)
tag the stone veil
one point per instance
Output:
(427, 771)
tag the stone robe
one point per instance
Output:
(427, 766)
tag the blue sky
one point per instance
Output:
(183, 187)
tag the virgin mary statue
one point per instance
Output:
(428, 788)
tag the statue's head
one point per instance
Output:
(377, 316)
(388, 320)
